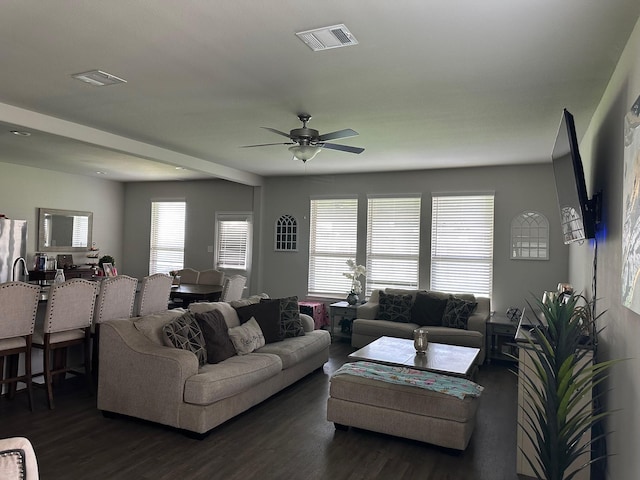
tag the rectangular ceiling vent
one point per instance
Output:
(326, 38)
(98, 78)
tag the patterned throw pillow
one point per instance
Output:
(290, 323)
(396, 308)
(216, 336)
(456, 314)
(185, 333)
(247, 337)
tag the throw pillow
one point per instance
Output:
(428, 309)
(216, 336)
(247, 337)
(290, 323)
(267, 314)
(457, 311)
(396, 308)
(184, 332)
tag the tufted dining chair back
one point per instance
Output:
(67, 322)
(19, 302)
(233, 288)
(116, 300)
(188, 275)
(211, 277)
(154, 294)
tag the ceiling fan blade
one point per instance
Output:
(267, 144)
(346, 133)
(276, 131)
(342, 148)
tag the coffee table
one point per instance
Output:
(451, 360)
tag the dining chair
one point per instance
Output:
(211, 277)
(233, 288)
(154, 294)
(67, 322)
(19, 302)
(115, 300)
(18, 459)
(188, 275)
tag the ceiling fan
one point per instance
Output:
(307, 142)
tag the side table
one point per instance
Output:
(500, 338)
(345, 312)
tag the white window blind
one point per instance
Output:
(167, 236)
(233, 241)
(462, 244)
(333, 241)
(393, 242)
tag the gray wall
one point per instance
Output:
(516, 189)
(602, 151)
(204, 199)
(25, 189)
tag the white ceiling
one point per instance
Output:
(431, 84)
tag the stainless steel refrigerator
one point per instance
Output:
(13, 246)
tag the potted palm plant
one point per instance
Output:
(558, 383)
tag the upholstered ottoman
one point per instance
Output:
(402, 409)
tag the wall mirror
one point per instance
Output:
(64, 230)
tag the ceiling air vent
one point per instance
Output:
(98, 78)
(327, 37)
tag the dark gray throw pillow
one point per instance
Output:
(396, 308)
(428, 309)
(267, 314)
(216, 336)
(457, 312)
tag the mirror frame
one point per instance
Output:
(63, 248)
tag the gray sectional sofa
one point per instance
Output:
(142, 377)
(368, 326)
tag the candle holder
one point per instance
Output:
(420, 340)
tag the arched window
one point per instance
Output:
(286, 234)
(530, 236)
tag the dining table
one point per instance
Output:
(195, 292)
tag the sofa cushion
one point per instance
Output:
(151, 325)
(267, 314)
(229, 313)
(295, 350)
(247, 337)
(216, 336)
(428, 309)
(395, 307)
(231, 377)
(290, 323)
(184, 332)
(457, 311)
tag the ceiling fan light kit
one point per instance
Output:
(304, 152)
(307, 142)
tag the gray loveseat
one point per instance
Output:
(367, 327)
(141, 377)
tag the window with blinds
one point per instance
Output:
(393, 242)
(333, 241)
(167, 236)
(233, 241)
(462, 244)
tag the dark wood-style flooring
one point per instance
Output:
(285, 437)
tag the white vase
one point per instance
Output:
(59, 278)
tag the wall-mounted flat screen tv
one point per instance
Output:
(577, 216)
